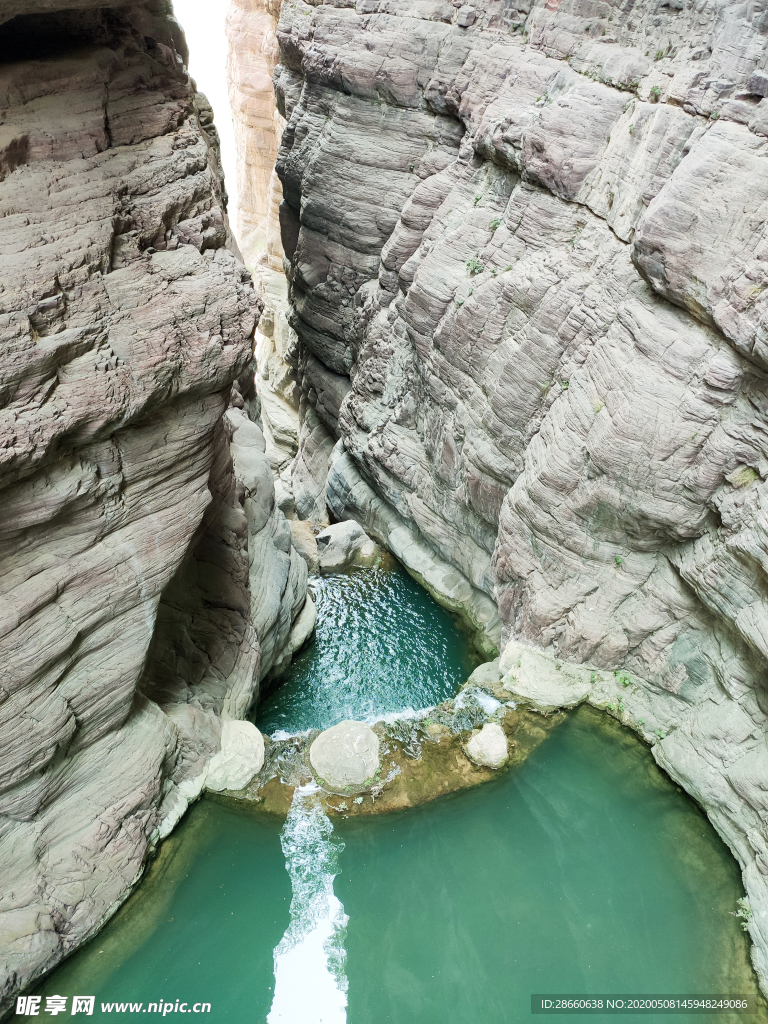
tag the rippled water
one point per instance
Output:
(382, 645)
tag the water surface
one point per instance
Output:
(382, 645)
(583, 870)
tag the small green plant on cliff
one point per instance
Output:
(478, 197)
(494, 223)
(714, 115)
(474, 266)
(619, 560)
(659, 734)
(658, 55)
(655, 93)
(744, 912)
(631, 129)
(743, 477)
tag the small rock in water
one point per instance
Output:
(489, 746)
(347, 754)
(343, 545)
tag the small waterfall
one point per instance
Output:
(310, 959)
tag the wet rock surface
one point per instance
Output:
(419, 757)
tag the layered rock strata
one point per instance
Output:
(147, 580)
(527, 275)
(251, 29)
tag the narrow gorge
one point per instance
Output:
(491, 310)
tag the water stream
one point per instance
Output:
(583, 870)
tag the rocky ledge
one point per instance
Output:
(401, 762)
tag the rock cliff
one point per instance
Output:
(147, 578)
(526, 252)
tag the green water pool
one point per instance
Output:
(382, 645)
(583, 870)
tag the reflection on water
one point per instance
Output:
(310, 959)
(382, 645)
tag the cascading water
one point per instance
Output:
(310, 959)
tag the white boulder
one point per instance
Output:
(240, 758)
(342, 545)
(345, 755)
(489, 746)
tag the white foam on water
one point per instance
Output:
(282, 734)
(310, 959)
(487, 701)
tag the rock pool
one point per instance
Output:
(582, 870)
(381, 645)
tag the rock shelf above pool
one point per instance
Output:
(404, 761)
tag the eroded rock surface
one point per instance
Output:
(343, 545)
(147, 580)
(527, 278)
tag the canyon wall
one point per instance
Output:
(526, 254)
(147, 577)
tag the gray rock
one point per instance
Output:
(343, 545)
(542, 350)
(346, 755)
(239, 759)
(758, 83)
(488, 672)
(147, 583)
(488, 747)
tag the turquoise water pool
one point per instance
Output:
(381, 645)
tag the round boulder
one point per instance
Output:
(489, 747)
(345, 755)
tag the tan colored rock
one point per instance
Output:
(304, 541)
(346, 755)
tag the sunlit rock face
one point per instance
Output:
(147, 580)
(526, 247)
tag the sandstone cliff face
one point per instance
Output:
(147, 580)
(527, 274)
